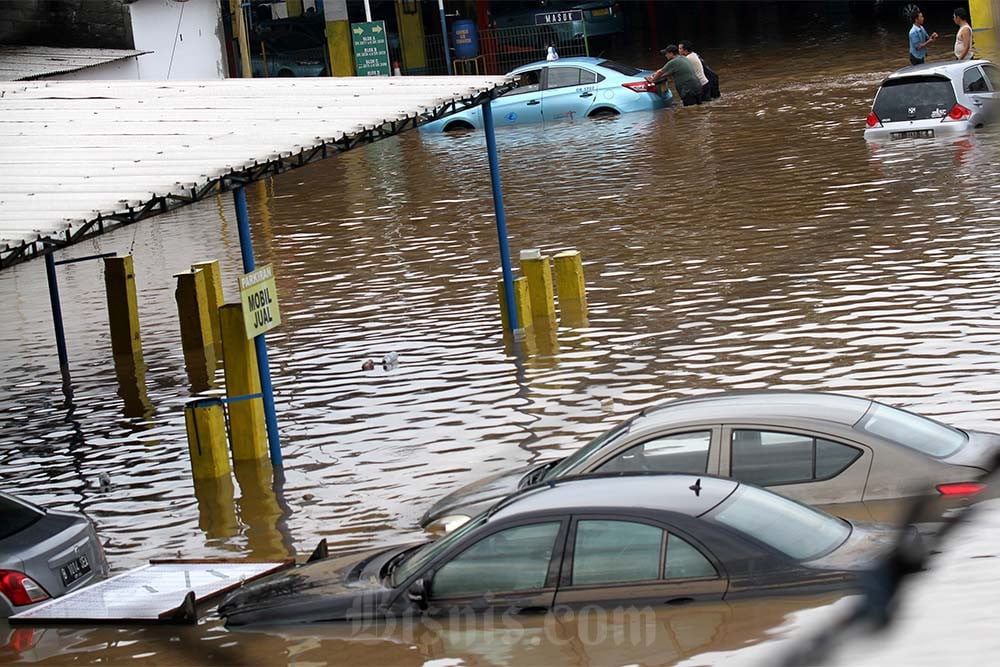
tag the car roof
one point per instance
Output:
(665, 491)
(585, 60)
(947, 68)
(750, 406)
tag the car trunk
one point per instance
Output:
(914, 98)
(59, 551)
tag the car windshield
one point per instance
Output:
(914, 98)
(15, 516)
(587, 451)
(424, 554)
(920, 433)
(627, 70)
(797, 530)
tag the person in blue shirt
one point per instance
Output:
(919, 39)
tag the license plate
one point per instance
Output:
(603, 11)
(74, 569)
(912, 134)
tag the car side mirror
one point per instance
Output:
(417, 594)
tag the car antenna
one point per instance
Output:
(696, 487)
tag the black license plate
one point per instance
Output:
(74, 569)
(912, 134)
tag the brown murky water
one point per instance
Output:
(756, 242)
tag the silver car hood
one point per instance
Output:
(476, 497)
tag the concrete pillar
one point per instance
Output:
(571, 289)
(123, 308)
(521, 302)
(338, 38)
(240, 28)
(981, 13)
(537, 269)
(196, 328)
(213, 294)
(248, 430)
(411, 37)
(206, 434)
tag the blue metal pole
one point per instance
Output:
(57, 320)
(508, 275)
(444, 36)
(259, 343)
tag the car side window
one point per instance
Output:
(679, 452)
(770, 457)
(973, 81)
(610, 552)
(527, 82)
(563, 77)
(685, 561)
(515, 559)
(993, 74)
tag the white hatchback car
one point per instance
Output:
(934, 99)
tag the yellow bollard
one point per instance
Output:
(521, 303)
(571, 289)
(213, 292)
(248, 430)
(196, 328)
(123, 308)
(206, 433)
(537, 270)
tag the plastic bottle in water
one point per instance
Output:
(390, 361)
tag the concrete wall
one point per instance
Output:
(186, 39)
(120, 70)
(71, 23)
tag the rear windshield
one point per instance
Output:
(799, 531)
(15, 517)
(914, 98)
(920, 433)
(627, 70)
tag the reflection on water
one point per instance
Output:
(755, 242)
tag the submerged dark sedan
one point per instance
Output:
(818, 448)
(637, 539)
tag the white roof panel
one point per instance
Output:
(31, 62)
(79, 158)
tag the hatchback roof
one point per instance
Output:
(731, 406)
(945, 67)
(668, 491)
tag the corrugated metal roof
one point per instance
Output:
(80, 158)
(20, 63)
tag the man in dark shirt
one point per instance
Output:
(682, 72)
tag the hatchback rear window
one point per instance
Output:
(15, 517)
(914, 98)
(627, 70)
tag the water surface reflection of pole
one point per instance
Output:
(260, 344)
(508, 276)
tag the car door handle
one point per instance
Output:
(532, 103)
(586, 95)
(978, 103)
(679, 601)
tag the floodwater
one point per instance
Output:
(756, 242)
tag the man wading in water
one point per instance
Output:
(685, 80)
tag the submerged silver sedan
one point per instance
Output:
(818, 448)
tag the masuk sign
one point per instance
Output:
(260, 301)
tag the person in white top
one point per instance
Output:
(963, 39)
(699, 70)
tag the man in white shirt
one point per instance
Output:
(699, 69)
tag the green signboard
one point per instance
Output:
(371, 49)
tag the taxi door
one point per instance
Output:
(569, 92)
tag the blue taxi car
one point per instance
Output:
(565, 89)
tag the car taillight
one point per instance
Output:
(641, 86)
(958, 112)
(872, 120)
(20, 589)
(960, 488)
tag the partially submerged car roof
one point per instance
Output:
(586, 60)
(946, 68)
(675, 492)
(732, 406)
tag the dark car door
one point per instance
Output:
(514, 568)
(632, 561)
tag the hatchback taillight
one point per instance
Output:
(20, 589)
(958, 112)
(641, 86)
(872, 120)
(960, 488)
